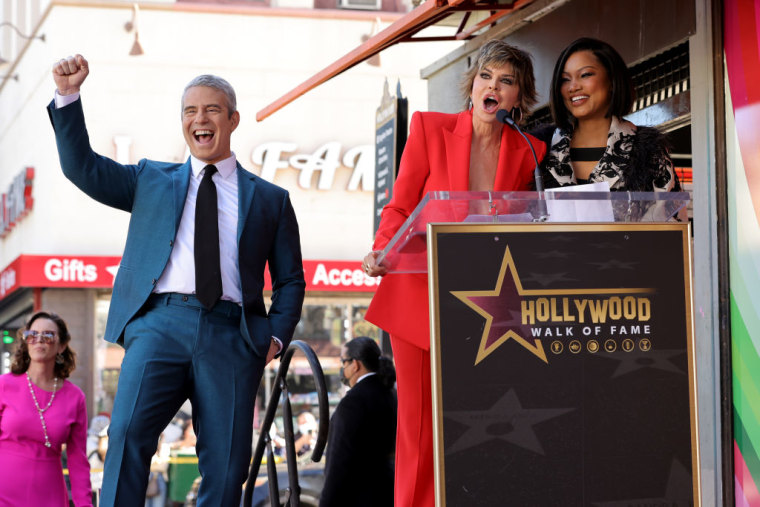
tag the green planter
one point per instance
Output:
(183, 470)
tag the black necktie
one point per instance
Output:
(208, 273)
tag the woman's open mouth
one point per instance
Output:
(490, 104)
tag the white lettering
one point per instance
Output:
(345, 277)
(361, 161)
(7, 280)
(324, 159)
(90, 273)
(320, 275)
(267, 156)
(17, 202)
(74, 270)
(52, 270)
(16, 196)
(383, 114)
(382, 195)
(383, 134)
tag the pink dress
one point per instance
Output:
(32, 474)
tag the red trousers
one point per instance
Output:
(414, 485)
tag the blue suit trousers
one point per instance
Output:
(177, 350)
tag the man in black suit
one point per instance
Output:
(362, 439)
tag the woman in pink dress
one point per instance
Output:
(40, 412)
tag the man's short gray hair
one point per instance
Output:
(216, 83)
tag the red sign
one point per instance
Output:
(99, 272)
(334, 276)
(58, 271)
(17, 202)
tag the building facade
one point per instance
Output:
(60, 250)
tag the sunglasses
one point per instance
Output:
(39, 336)
(348, 360)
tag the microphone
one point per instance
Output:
(504, 116)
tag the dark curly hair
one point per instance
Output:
(20, 360)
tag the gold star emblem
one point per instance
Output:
(502, 311)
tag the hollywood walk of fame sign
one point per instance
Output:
(563, 369)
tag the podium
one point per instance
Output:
(562, 351)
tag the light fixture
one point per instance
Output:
(132, 25)
(136, 47)
(373, 60)
(10, 25)
(15, 28)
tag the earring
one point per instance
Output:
(516, 114)
(59, 358)
(469, 106)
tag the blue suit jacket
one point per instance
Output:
(154, 193)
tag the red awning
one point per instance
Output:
(426, 14)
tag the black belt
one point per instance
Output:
(228, 308)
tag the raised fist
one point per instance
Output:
(69, 74)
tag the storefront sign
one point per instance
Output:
(17, 201)
(324, 161)
(333, 276)
(8, 279)
(390, 138)
(99, 272)
(338, 276)
(58, 271)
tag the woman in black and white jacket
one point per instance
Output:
(591, 91)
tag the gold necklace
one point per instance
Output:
(37, 405)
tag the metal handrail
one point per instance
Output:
(264, 441)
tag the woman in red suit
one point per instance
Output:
(468, 151)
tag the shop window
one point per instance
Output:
(320, 323)
(325, 326)
(360, 327)
(108, 357)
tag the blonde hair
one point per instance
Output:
(498, 53)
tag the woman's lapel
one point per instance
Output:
(512, 151)
(458, 143)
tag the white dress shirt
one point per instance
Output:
(365, 376)
(179, 273)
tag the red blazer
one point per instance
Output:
(436, 157)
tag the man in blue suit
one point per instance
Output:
(187, 301)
